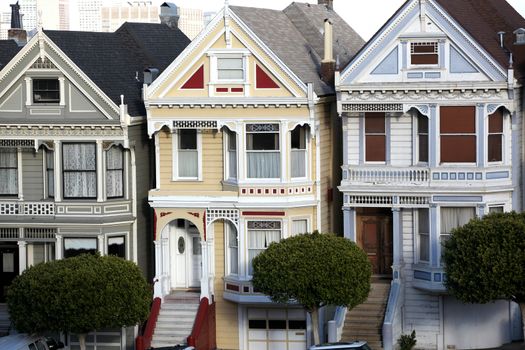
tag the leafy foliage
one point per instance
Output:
(79, 295)
(407, 342)
(485, 259)
(314, 270)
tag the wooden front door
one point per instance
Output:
(374, 235)
(8, 267)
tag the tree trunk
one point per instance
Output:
(82, 341)
(522, 308)
(315, 324)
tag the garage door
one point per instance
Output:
(278, 329)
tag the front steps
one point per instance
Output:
(365, 321)
(176, 317)
(5, 322)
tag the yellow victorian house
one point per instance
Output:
(247, 153)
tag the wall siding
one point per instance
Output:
(33, 179)
(352, 136)
(401, 140)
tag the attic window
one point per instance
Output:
(424, 53)
(46, 91)
(230, 68)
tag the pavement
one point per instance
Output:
(511, 346)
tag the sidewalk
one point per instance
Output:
(511, 346)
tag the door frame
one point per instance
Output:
(187, 232)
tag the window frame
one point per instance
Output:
(85, 238)
(419, 233)
(124, 237)
(53, 101)
(295, 219)
(501, 135)
(276, 130)
(121, 170)
(375, 134)
(49, 161)
(175, 156)
(17, 155)
(421, 43)
(229, 135)
(248, 221)
(63, 170)
(458, 134)
(442, 234)
(304, 131)
(229, 228)
(419, 134)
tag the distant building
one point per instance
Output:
(89, 12)
(5, 24)
(191, 21)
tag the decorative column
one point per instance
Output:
(157, 280)
(22, 256)
(57, 145)
(62, 91)
(20, 173)
(349, 223)
(397, 240)
(481, 135)
(433, 135)
(29, 91)
(205, 278)
(101, 245)
(165, 268)
(59, 247)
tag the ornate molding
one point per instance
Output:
(194, 124)
(61, 130)
(225, 214)
(373, 107)
(17, 143)
(398, 96)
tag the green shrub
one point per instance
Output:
(407, 342)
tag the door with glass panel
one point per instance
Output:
(8, 266)
(186, 255)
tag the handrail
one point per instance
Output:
(202, 336)
(391, 308)
(143, 341)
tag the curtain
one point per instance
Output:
(258, 241)
(299, 226)
(80, 177)
(452, 218)
(8, 172)
(264, 165)
(298, 163)
(114, 172)
(50, 172)
(188, 163)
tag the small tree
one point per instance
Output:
(313, 270)
(79, 295)
(485, 260)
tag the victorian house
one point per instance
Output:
(432, 111)
(74, 151)
(243, 123)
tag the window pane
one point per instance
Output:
(79, 156)
(46, 91)
(8, 172)
(495, 148)
(375, 148)
(298, 137)
(188, 139)
(232, 74)
(262, 141)
(424, 229)
(298, 163)
(50, 172)
(77, 246)
(114, 172)
(233, 249)
(299, 226)
(496, 209)
(455, 217)
(188, 163)
(422, 124)
(80, 184)
(260, 236)
(423, 221)
(457, 120)
(229, 63)
(425, 59)
(264, 165)
(496, 122)
(374, 123)
(423, 147)
(458, 149)
(116, 246)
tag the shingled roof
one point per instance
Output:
(296, 37)
(483, 19)
(8, 49)
(112, 60)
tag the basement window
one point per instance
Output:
(46, 91)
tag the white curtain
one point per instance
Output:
(80, 177)
(188, 163)
(298, 163)
(258, 241)
(114, 172)
(233, 247)
(452, 218)
(50, 171)
(8, 172)
(264, 164)
(299, 226)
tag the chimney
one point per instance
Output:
(150, 74)
(328, 62)
(501, 39)
(329, 3)
(16, 32)
(169, 15)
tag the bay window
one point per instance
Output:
(375, 137)
(114, 172)
(79, 170)
(495, 137)
(231, 151)
(452, 217)
(298, 151)
(8, 172)
(260, 235)
(263, 151)
(458, 134)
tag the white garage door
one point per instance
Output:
(278, 329)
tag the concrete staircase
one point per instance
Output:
(5, 322)
(176, 317)
(365, 321)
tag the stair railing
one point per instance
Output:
(143, 341)
(390, 315)
(202, 336)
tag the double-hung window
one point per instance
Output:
(298, 152)
(230, 68)
(495, 137)
(458, 134)
(260, 235)
(8, 172)
(263, 151)
(186, 151)
(422, 138)
(424, 53)
(233, 249)
(115, 172)
(375, 137)
(80, 170)
(231, 151)
(46, 91)
(454, 217)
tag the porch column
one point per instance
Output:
(434, 236)
(165, 268)
(205, 278)
(433, 135)
(58, 247)
(101, 245)
(481, 144)
(100, 172)
(157, 280)
(397, 241)
(20, 173)
(57, 146)
(349, 223)
(22, 256)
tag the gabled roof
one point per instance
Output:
(112, 60)
(295, 35)
(8, 49)
(483, 19)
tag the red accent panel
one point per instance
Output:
(221, 90)
(233, 287)
(263, 80)
(196, 81)
(237, 89)
(144, 341)
(263, 213)
(202, 336)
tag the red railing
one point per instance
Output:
(143, 342)
(202, 336)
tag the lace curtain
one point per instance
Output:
(258, 241)
(80, 177)
(8, 172)
(114, 172)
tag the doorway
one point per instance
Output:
(186, 255)
(374, 236)
(8, 266)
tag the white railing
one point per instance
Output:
(391, 314)
(386, 175)
(27, 208)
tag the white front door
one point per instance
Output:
(186, 257)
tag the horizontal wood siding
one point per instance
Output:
(32, 177)
(325, 149)
(421, 310)
(227, 325)
(401, 140)
(352, 135)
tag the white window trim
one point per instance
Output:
(505, 135)
(227, 53)
(227, 263)
(423, 66)
(282, 145)
(29, 91)
(308, 219)
(175, 158)
(247, 247)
